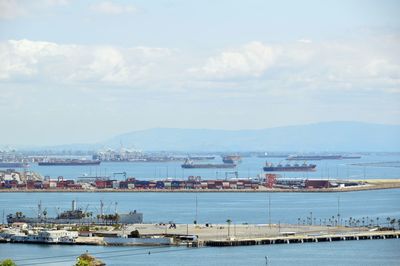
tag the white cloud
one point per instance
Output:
(250, 60)
(58, 2)
(10, 9)
(305, 65)
(112, 8)
(61, 63)
(255, 68)
(304, 41)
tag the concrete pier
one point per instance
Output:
(301, 239)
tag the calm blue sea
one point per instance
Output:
(250, 166)
(362, 253)
(217, 208)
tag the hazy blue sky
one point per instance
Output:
(82, 71)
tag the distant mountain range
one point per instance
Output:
(320, 137)
(329, 136)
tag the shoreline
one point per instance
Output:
(220, 235)
(372, 184)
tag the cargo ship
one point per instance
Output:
(232, 159)
(272, 155)
(200, 158)
(13, 165)
(190, 164)
(269, 167)
(313, 157)
(351, 157)
(68, 162)
(77, 216)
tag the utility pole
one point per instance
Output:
(338, 208)
(196, 208)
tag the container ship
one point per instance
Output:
(232, 159)
(13, 165)
(269, 167)
(76, 216)
(68, 162)
(190, 164)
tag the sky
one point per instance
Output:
(84, 71)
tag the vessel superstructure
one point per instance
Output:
(232, 159)
(77, 216)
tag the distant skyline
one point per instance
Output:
(84, 71)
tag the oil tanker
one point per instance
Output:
(68, 162)
(269, 167)
(190, 164)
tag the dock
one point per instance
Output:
(301, 239)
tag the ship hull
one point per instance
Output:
(289, 169)
(191, 166)
(68, 163)
(13, 165)
(315, 158)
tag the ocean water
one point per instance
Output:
(217, 208)
(362, 253)
(250, 166)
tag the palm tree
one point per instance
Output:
(229, 221)
(392, 222)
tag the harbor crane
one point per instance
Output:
(121, 173)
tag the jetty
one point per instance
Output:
(301, 239)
